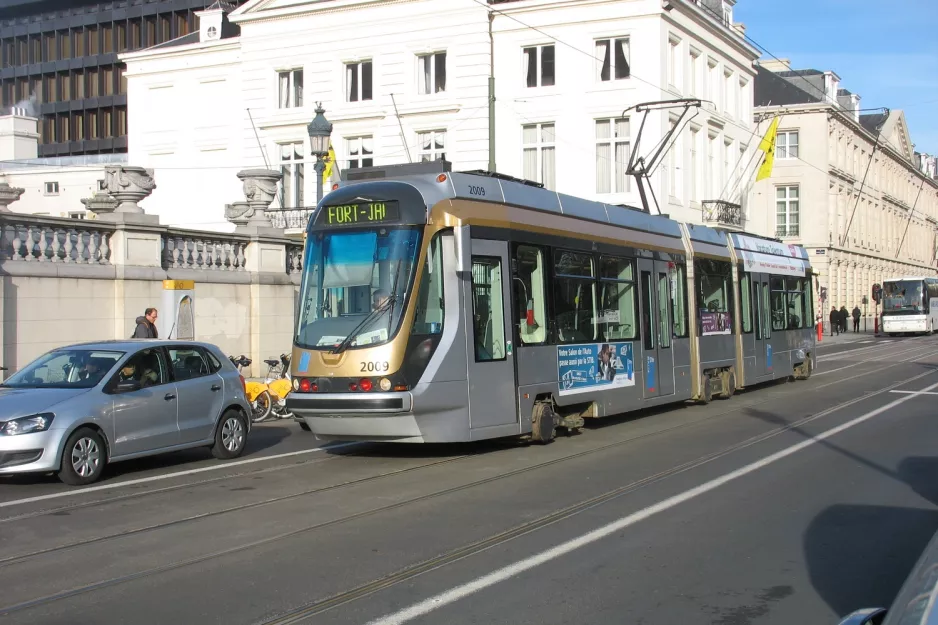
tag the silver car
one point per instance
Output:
(75, 409)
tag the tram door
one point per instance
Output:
(657, 327)
(762, 323)
(491, 356)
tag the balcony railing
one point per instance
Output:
(291, 218)
(722, 213)
(787, 231)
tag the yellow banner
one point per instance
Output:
(330, 164)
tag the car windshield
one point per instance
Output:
(65, 368)
(903, 295)
(354, 286)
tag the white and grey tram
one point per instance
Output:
(446, 306)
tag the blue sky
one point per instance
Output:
(887, 52)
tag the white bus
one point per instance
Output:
(910, 305)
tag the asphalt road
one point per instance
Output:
(792, 502)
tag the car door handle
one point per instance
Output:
(215, 387)
(169, 396)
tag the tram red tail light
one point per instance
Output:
(352, 386)
(305, 385)
(365, 384)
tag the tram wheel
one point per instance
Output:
(729, 385)
(706, 389)
(543, 423)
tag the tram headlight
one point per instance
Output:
(384, 384)
(296, 384)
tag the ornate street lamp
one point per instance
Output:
(320, 130)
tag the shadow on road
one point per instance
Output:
(858, 556)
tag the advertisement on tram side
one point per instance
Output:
(594, 366)
(715, 323)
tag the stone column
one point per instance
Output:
(8, 195)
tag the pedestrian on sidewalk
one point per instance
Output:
(146, 325)
(856, 318)
(844, 315)
(835, 321)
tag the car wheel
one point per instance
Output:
(83, 458)
(231, 435)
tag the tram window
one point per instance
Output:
(779, 304)
(797, 315)
(714, 292)
(679, 300)
(528, 281)
(745, 303)
(574, 297)
(428, 311)
(617, 298)
(664, 316)
(766, 311)
(808, 303)
(648, 332)
(488, 309)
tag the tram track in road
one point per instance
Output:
(300, 614)
(414, 570)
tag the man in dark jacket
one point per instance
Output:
(835, 321)
(146, 325)
(856, 318)
(844, 315)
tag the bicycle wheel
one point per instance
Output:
(261, 407)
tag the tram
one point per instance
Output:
(443, 307)
(910, 304)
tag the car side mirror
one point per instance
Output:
(869, 616)
(128, 386)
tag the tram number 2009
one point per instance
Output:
(473, 190)
(374, 366)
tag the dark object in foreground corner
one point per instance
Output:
(916, 601)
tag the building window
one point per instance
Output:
(673, 61)
(52, 188)
(692, 166)
(728, 96)
(786, 211)
(613, 145)
(693, 77)
(293, 170)
(786, 144)
(539, 68)
(613, 59)
(713, 170)
(290, 88)
(360, 152)
(432, 145)
(743, 108)
(713, 83)
(431, 73)
(76, 214)
(538, 153)
(101, 185)
(358, 81)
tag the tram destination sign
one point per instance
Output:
(359, 213)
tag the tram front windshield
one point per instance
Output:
(904, 297)
(355, 284)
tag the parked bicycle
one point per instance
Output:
(269, 398)
(255, 391)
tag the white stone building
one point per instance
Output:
(408, 80)
(52, 186)
(857, 232)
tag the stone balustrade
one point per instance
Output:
(42, 239)
(204, 251)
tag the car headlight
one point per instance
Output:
(27, 425)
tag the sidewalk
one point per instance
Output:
(850, 336)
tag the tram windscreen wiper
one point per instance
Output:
(383, 307)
